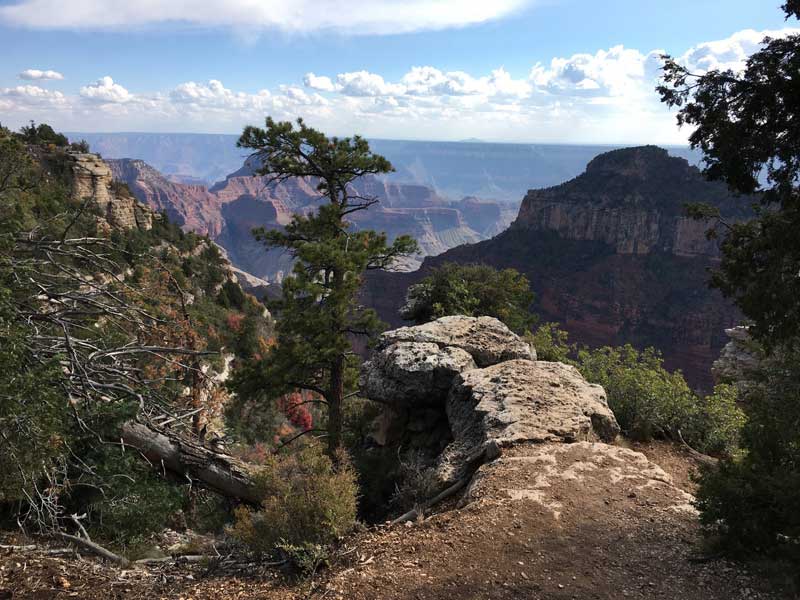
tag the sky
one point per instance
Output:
(545, 71)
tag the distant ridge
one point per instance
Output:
(501, 171)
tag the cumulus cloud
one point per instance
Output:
(104, 90)
(618, 71)
(730, 53)
(37, 74)
(33, 94)
(364, 83)
(605, 96)
(316, 82)
(349, 16)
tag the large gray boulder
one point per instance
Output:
(516, 402)
(415, 366)
(486, 339)
(408, 374)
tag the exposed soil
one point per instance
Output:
(587, 526)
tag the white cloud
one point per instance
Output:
(321, 83)
(364, 83)
(605, 96)
(618, 71)
(36, 74)
(349, 16)
(730, 53)
(22, 95)
(104, 90)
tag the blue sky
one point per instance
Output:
(518, 70)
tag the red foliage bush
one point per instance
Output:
(292, 405)
(234, 321)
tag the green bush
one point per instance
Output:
(307, 500)
(752, 500)
(33, 412)
(134, 500)
(647, 400)
(551, 343)
(718, 426)
(473, 290)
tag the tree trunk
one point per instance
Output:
(335, 398)
(166, 450)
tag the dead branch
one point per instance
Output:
(443, 495)
(96, 549)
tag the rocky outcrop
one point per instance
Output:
(517, 402)
(461, 388)
(190, 206)
(741, 360)
(92, 179)
(487, 340)
(612, 258)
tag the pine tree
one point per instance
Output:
(318, 314)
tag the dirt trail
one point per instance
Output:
(578, 521)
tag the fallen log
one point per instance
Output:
(220, 472)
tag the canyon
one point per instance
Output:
(611, 254)
(229, 210)
(613, 258)
(502, 171)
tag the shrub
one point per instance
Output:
(416, 483)
(307, 500)
(134, 501)
(752, 500)
(551, 343)
(720, 421)
(649, 401)
(473, 290)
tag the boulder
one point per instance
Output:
(486, 339)
(415, 366)
(408, 374)
(520, 401)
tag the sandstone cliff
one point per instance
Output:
(92, 179)
(612, 257)
(633, 200)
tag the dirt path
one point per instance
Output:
(577, 521)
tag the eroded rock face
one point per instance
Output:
(414, 373)
(740, 360)
(521, 401)
(92, 178)
(415, 366)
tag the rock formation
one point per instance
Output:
(461, 388)
(92, 179)
(612, 257)
(741, 360)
